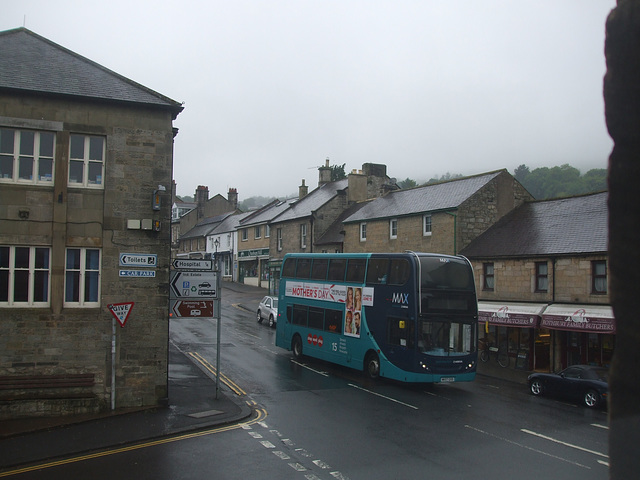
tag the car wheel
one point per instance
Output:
(372, 366)
(259, 317)
(272, 321)
(296, 346)
(536, 387)
(591, 399)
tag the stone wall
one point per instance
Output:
(59, 339)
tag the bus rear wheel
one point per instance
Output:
(296, 346)
(372, 366)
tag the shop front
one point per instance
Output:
(253, 267)
(510, 336)
(582, 334)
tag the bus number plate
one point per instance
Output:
(447, 379)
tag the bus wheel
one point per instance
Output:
(296, 346)
(372, 366)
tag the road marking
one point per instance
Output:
(261, 414)
(526, 447)
(597, 425)
(324, 374)
(383, 396)
(555, 440)
(223, 378)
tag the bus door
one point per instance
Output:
(400, 348)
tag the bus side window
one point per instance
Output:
(316, 318)
(304, 268)
(400, 269)
(319, 269)
(289, 268)
(377, 270)
(355, 270)
(337, 267)
(300, 315)
(333, 321)
(289, 313)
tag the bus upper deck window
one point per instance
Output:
(355, 270)
(289, 268)
(378, 270)
(304, 268)
(400, 270)
(337, 268)
(319, 269)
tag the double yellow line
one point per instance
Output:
(223, 378)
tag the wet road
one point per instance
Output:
(317, 421)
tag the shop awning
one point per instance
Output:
(526, 315)
(579, 318)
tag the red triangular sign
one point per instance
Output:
(121, 311)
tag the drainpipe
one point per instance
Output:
(455, 231)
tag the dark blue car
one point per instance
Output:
(582, 383)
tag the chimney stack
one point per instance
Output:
(201, 198)
(324, 173)
(302, 190)
(232, 197)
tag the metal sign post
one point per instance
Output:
(218, 317)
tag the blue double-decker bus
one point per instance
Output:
(411, 316)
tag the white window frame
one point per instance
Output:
(9, 270)
(244, 234)
(279, 239)
(426, 225)
(363, 232)
(393, 228)
(257, 232)
(303, 235)
(83, 277)
(87, 162)
(36, 157)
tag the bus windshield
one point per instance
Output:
(445, 273)
(446, 338)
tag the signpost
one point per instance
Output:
(120, 312)
(194, 292)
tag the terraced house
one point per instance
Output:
(86, 161)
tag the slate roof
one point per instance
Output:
(335, 232)
(29, 62)
(429, 198)
(205, 226)
(267, 213)
(313, 201)
(566, 226)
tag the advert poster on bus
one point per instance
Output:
(353, 298)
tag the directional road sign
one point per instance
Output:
(193, 308)
(188, 264)
(186, 285)
(138, 260)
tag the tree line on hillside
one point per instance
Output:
(543, 183)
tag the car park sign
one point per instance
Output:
(188, 285)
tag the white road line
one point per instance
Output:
(555, 440)
(324, 374)
(597, 425)
(383, 396)
(527, 448)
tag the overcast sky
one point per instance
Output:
(273, 88)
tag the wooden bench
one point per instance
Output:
(36, 387)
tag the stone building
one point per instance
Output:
(542, 282)
(86, 160)
(440, 218)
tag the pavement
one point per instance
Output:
(192, 406)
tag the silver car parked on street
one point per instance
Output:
(268, 309)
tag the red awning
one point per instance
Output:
(579, 318)
(526, 315)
